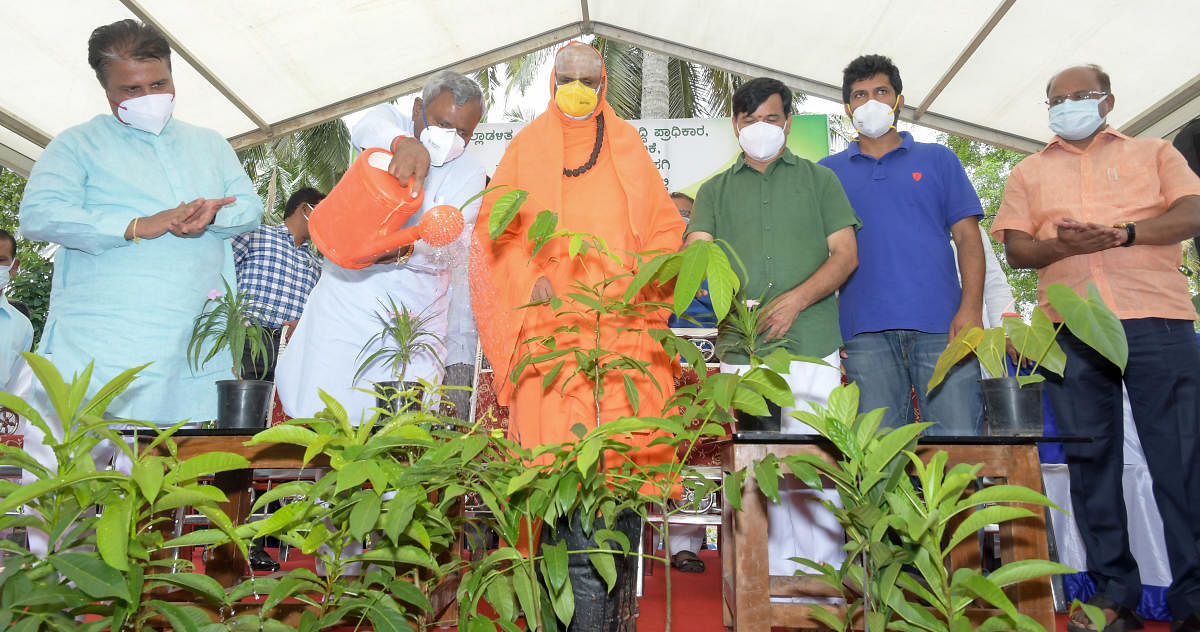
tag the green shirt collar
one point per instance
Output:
(787, 157)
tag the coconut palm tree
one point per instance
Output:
(314, 157)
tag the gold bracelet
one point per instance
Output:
(135, 237)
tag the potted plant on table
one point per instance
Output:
(403, 335)
(1014, 404)
(228, 321)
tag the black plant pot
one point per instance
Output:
(1012, 410)
(243, 403)
(759, 423)
(395, 396)
(596, 609)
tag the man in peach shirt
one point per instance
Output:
(1096, 205)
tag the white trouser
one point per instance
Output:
(799, 526)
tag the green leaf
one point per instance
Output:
(1021, 570)
(969, 581)
(1036, 342)
(604, 564)
(733, 489)
(521, 480)
(554, 564)
(202, 585)
(351, 476)
(504, 210)
(208, 463)
(543, 226)
(589, 453)
(723, 283)
(766, 472)
(199, 537)
(388, 620)
(1091, 321)
(1006, 494)
(525, 594)
(770, 385)
(631, 392)
(988, 515)
(575, 245)
(91, 575)
(500, 596)
(148, 474)
(365, 514)
(113, 533)
(285, 433)
(964, 343)
(691, 273)
(178, 616)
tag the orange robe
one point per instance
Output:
(621, 199)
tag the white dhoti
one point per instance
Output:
(799, 526)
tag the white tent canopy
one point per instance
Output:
(256, 69)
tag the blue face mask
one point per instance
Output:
(1075, 120)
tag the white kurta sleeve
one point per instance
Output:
(379, 127)
(244, 214)
(997, 293)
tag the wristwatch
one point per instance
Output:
(1130, 232)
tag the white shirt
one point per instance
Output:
(341, 314)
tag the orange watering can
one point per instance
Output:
(362, 218)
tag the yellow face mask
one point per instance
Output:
(576, 100)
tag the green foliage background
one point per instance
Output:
(32, 285)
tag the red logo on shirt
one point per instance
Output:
(917, 176)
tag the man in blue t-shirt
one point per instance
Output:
(904, 303)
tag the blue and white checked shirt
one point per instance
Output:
(275, 272)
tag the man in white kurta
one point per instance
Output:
(16, 332)
(122, 295)
(340, 316)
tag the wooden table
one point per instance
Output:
(747, 587)
(225, 563)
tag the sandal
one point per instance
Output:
(1120, 618)
(687, 562)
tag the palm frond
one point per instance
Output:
(522, 71)
(624, 65)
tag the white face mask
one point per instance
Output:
(6, 274)
(874, 118)
(1076, 120)
(149, 112)
(443, 144)
(761, 140)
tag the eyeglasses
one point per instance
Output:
(1076, 96)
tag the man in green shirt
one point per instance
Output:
(791, 224)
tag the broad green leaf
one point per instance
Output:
(504, 210)
(723, 283)
(521, 480)
(148, 474)
(589, 453)
(766, 472)
(963, 344)
(410, 555)
(284, 433)
(1091, 321)
(969, 581)
(199, 537)
(606, 567)
(91, 575)
(691, 273)
(113, 532)
(554, 564)
(208, 463)
(1021, 570)
(351, 476)
(1006, 494)
(202, 585)
(365, 514)
(388, 620)
(1036, 342)
(501, 596)
(525, 593)
(991, 352)
(733, 489)
(993, 514)
(770, 385)
(178, 616)
(409, 593)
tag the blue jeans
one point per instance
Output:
(889, 365)
(1163, 379)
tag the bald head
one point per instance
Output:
(1090, 73)
(578, 62)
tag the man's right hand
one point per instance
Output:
(159, 223)
(542, 290)
(1080, 238)
(410, 161)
